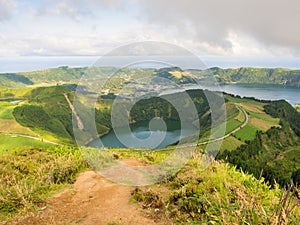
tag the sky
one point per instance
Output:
(227, 33)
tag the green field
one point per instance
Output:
(231, 143)
(232, 124)
(6, 110)
(9, 142)
(246, 133)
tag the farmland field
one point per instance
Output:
(10, 142)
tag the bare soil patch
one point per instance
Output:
(92, 200)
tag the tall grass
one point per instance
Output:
(28, 176)
(218, 195)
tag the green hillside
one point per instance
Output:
(120, 76)
(46, 109)
(218, 195)
(250, 75)
(29, 175)
(14, 80)
(267, 146)
(269, 153)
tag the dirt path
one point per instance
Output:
(92, 200)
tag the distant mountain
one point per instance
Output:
(14, 80)
(245, 75)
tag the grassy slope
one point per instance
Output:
(6, 110)
(218, 195)
(10, 142)
(258, 119)
(7, 120)
(47, 113)
(215, 207)
(8, 125)
(51, 96)
(14, 93)
(29, 175)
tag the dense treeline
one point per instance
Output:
(147, 109)
(283, 110)
(262, 155)
(48, 110)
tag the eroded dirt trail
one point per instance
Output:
(93, 200)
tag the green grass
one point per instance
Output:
(148, 157)
(235, 117)
(29, 175)
(12, 93)
(231, 125)
(246, 133)
(8, 142)
(231, 143)
(6, 110)
(265, 117)
(218, 195)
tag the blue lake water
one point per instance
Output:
(174, 133)
(264, 92)
(141, 131)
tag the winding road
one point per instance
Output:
(232, 132)
(214, 140)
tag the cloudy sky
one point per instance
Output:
(231, 29)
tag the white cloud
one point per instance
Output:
(269, 23)
(214, 27)
(6, 9)
(77, 9)
(44, 45)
